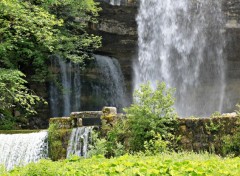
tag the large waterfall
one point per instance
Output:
(21, 149)
(181, 43)
(75, 89)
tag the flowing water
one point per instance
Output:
(65, 92)
(78, 144)
(21, 149)
(113, 88)
(104, 87)
(181, 43)
(115, 2)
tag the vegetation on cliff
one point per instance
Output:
(33, 31)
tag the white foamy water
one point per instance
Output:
(181, 43)
(21, 149)
(79, 141)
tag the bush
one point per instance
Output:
(231, 144)
(150, 114)
(148, 126)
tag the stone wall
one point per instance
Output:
(196, 134)
(206, 134)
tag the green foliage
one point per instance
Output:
(150, 114)
(216, 114)
(163, 164)
(27, 33)
(98, 146)
(110, 142)
(156, 145)
(213, 126)
(7, 121)
(231, 144)
(57, 142)
(115, 135)
(13, 91)
(31, 31)
(148, 126)
(2, 169)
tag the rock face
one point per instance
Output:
(232, 11)
(118, 28)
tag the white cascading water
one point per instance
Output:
(65, 92)
(181, 43)
(114, 89)
(21, 149)
(65, 95)
(115, 2)
(78, 144)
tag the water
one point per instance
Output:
(21, 149)
(115, 2)
(100, 84)
(78, 144)
(112, 89)
(65, 92)
(181, 43)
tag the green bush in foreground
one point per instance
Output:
(164, 164)
(151, 117)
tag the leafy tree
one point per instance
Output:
(27, 33)
(150, 117)
(33, 30)
(14, 93)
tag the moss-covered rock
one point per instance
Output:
(58, 142)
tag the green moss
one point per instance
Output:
(58, 142)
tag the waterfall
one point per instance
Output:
(78, 144)
(115, 2)
(65, 92)
(74, 89)
(21, 149)
(112, 88)
(181, 43)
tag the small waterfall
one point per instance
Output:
(101, 84)
(181, 43)
(78, 144)
(113, 87)
(115, 2)
(21, 149)
(65, 92)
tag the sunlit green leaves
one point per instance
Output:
(164, 164)
(150, 115)
(14, 93)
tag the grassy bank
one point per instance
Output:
(163, 164)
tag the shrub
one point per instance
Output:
(231, 144)
(150, 114)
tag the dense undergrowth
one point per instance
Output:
(162, 164)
